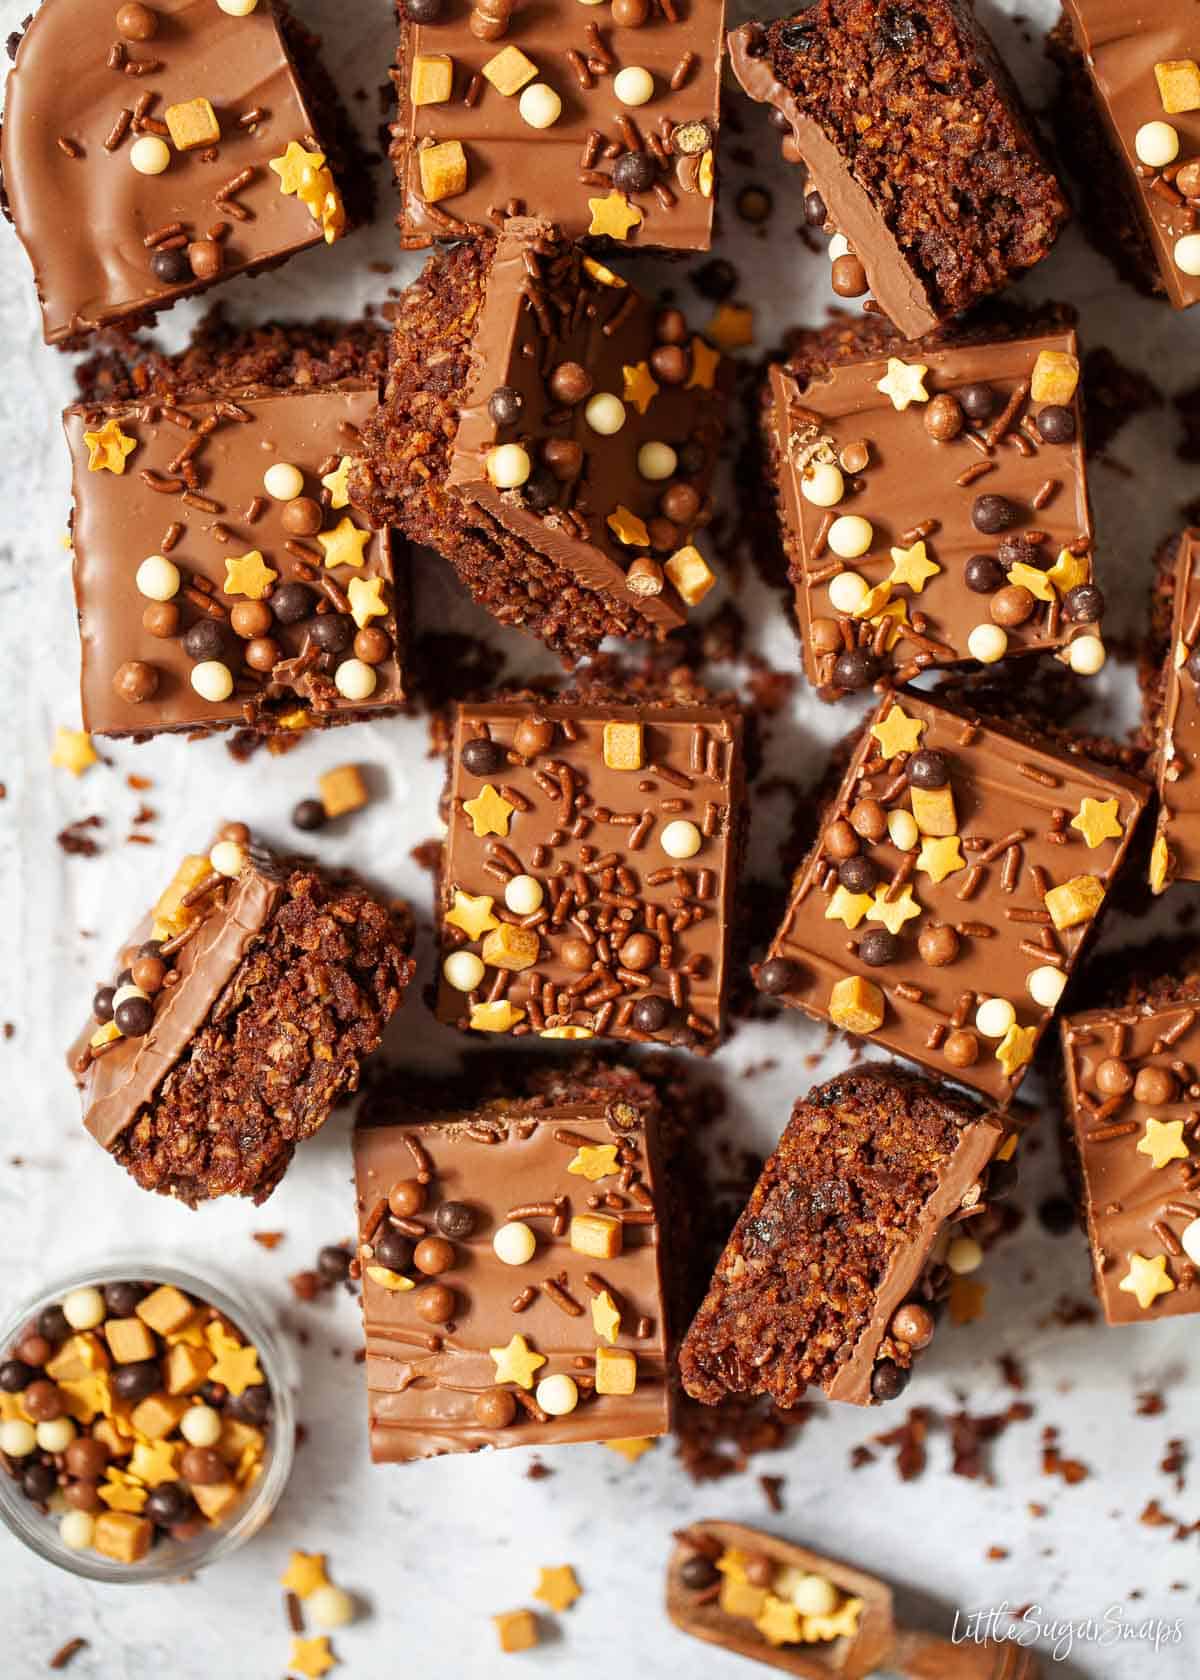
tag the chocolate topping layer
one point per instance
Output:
(1176, 854)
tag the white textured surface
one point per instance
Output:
(435, 1549)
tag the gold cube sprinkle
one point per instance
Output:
(1055, 376)
(432, 79)
(624, 746)
(597, 1236)
(739, 1598)
(158, 1414)
(509, 70)
(511, 947)
(934, 810)
(1077, 900)
(1178, 84)
(342, 789)
(443, 170)
(191, 124)
(616, 1371)
(166, 1309)
(170, 910)
(105, 1430)
(691, 574)
(857, 1005)
(186, 1368)
(517, 1630)
(215, 1498)
(122, 1536)
(129, 1339)
(78, 1357)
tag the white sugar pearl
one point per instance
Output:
(902, 830)
(237, 8)
(1156, 144)
(813, 1595)
(839, 246)
(681, 839)
(17, 1438)
(539, 105)
(463, 970)
(354, 679)
(964, 1255)
(83, 1309)
(1088, 654)
(228, 858)
(557, 1395)
(523, 895)
(1189, 1237)
(212, 680)
(120, 996)
(994, 1017)
(605, 413)
(657, 460)
(514, 1243)
(508, 466)
(283, 482)
(1187, 253)
(633, 85)
(157, 578)
(150, 155)
(56, 1435)
(847, 591)
(200, 1426)
(850, 535)
(987, 643)
(76, 1530)
(1045, 985)
(822, 484)
(330, 1606)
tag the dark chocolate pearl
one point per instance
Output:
(983, 574)
(333, 1263)
(393, 1250)
(455, 1220)
(855, 669)
(252, 1405)
(698, 1572)
(991, 513)
(540, 489)
(1084, 604)
(135, 1017)
(1017, 550)
(888, 1380)
(309, 815)
(878, 947)
(39, 1482)
(481, 757)
(52, 1324)
(716, 279)
(153, 948)
(134, 1382)
(1057, 1215)
(928, 769)
(205, 640)
(171, 267)
(292, 602)
(570, 383)
(779, 119)
(102, 1004)
(1001, 1179)
(777, 975)
(858, 874)
(423, 11)
(693, 457)
(332, 632)
(977, 401)
(650, 1014)
(167, 1504)
(1192, 665)
(1056, 424)
(214, 1394)
(815, 213)
(15, 1376)
(634, 172)
(505, 405)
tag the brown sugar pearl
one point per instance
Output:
(372, 646)
(87, 1457)
(533, 735)
(435, 1303)
(34, 1350)
(161, 619)
(868, 819)
(639, 952)
(680, 502)
(136, 22)
(938, 945)
(203, 1466)
(576, 954)
(43, 1400)
(406, 1197)
(303, 517)
(262, 654)
(943, 418)
(251, 618)
(847, 276)
(206, 259)
(669, 364)
(434, 1255)
(148, 974)
(630, 14)
(1188, 179)
(1012, 605)
(495, 1408)
(961, 1048)
(912, 1323)
(824, 636)
(1154, 1085)
(670, 327)
(663, 535)
(563, 458)
(841, 841)
(136, 682)
(570, 383)
(759, 1569)
(1114, 1077)
(83, 1495)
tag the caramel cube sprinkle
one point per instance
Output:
(1055, 376)
(342, 790)
(432, 79)
(1178, 84)
(740, 1598)
(509, 71)
(129, 1339)
(78, 1357)
(158, 1414)
(691, 574)
(443, 170)
(857, 1005)
(616, 1371)
(186, 1368)
(1077, 900)
(216, 1498)
(122, 1536)
(511, 947)
(191, 124)
(934, 810)
(597, 1236)
(623, 746)
(517, 1630)
(166, 1309)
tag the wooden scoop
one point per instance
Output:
(878, 1643)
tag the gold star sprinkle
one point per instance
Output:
(628, 528)
(121, 1495)
(108, 448)
(594, 1161)
(344, 545)
(248, 575)
(73, 751)
(1097, 821)
(155, 1462)
(847, 907)
(732, 326)
(630, 1447)
(1068, 571)
(297, 169)
(894, 915)
(897, 611)
(874, 601)
(489, 812)
(705, 362)
(1015, 1049)
(1160, 865)
(967, 1298)
(366, 600)
(1029, 577)
(304, 1574)
(778, 1621)
(236, 1367)
(1163, 1141)
(913, 567)
(517, 1362)
(311, 1657)
(557, 1588)
(1147, 1279)
(472, 915)
(606, 1316)
(904, 382)
(939, 858)
(641, 387)
(499, 1017)
(614, 215)
(898, 733)
(842, 1624)
(335, 483)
